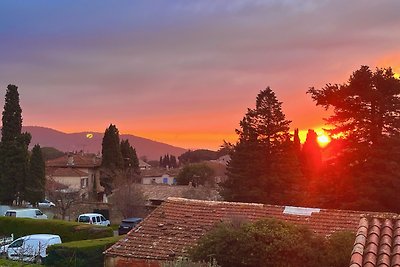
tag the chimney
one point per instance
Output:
(70, 161)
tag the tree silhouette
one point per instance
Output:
(366, 108)
(13, 150)
(365, 171)
(263, 164)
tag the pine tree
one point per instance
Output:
(366, 108)
(364, 171)
(13, 150)
(36, 182)
(261, 167)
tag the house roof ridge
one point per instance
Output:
(214, 202)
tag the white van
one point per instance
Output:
(30, 248)
(93, 218)
(26, 213)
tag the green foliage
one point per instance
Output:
(12, 115)
(79, 253)
(36, 181)
(13, 150)
(197, 174)
(10, 263)
(197, 156)
(111, 151)
(51, 153)
(265, 243)
(131, 161)
(188, 263)
(338, 249)
(112, 160)
(68, 231)
(263, 165)
(168, 161)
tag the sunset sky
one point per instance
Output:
(185, 72)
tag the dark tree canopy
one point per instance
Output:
(194, 156)
(263, 163)
(196, 173)
(111, 151)
(13, 150)
(364, 171)
(12, 115)
(130, 157)
(112, 160)
(366, 108)
(36, 180)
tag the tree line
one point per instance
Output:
(269, 165)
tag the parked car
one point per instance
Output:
(31, 248)
(26, 213)
(127, 225)
(93, 218)
(46, 204)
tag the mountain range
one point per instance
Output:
(91, 142)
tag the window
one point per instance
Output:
(11, 214)
(84, 182)
(103, 219)
(98, 218)
(38, 213)
(165, 180)
(84, 219)
(16, 243)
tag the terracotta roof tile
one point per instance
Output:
(76, 160)
(382, 246)
(68, 172)
(178, 223)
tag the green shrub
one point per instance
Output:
(79, 253)
(338, 249)
(68, 231)
(10, 263)
(188, 263)
(265, 243)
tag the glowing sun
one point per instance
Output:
(323, 140)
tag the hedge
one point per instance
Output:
(10, 263)
(68, 231)
(79, 253)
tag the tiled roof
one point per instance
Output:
(75, 160)
(377, 242)
(68, 172)
(162, 191)
(178, 223)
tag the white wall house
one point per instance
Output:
(162, 179)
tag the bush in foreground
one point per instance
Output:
(79, 253)
(272, 243)
(68, 231)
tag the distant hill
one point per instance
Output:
(69, 142)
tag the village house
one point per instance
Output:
(144, 165)
(79, 172)
(158, 176)
(177, 224)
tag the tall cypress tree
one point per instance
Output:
(112, 161)
(13, 150)
(36, 182)
(131, 161)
